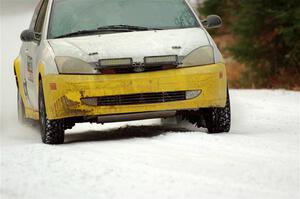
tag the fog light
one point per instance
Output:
(192, 94)
(90, 101)
(161, 60)
(115, 62)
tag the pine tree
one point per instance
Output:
(267, 36)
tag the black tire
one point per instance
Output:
(21, 109)
(52, 131)
(218, 120)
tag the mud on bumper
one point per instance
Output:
(64, 93)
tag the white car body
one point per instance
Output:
(150, 43)
(77, 66)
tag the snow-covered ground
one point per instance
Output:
(258, 159)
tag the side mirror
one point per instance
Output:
(30, 35)
(212, 21)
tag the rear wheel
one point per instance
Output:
(52, 131)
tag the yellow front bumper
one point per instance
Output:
(64, 101)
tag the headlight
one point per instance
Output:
(71, 65)
(201, 56)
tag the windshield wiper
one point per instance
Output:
(111, 28)
(127, 27)
(80, 32)
(93, 31)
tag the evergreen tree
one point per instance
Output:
(267, 36)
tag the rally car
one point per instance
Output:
(106, 61)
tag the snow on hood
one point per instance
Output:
(131, 44)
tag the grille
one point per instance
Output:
(143, 98)
(126, 70)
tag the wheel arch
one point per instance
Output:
(40, 75)
(17, 71)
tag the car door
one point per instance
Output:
(26, 59)
(33, 53)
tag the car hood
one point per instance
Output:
(136, 45)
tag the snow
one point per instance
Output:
(258, 159)
(143, 159)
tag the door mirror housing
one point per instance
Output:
(212, 21)
(30, 35)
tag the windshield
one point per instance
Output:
(69, 16)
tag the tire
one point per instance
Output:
(218, 120)
(52, 131)
(21, 109)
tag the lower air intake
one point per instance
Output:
(142, 98)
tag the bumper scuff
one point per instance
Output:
(66, 102)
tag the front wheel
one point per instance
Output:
(218, 120)
(52, 131)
